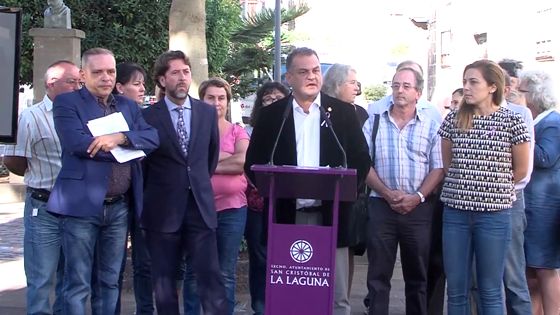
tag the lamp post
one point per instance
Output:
(277, 44)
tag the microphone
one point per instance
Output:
(329, 125)
(284, 118)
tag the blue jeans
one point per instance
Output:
(518, 300)
(80, 237)
(257, 260)
(231, 225)
(42, 255)
(141, 265)
(486, 236)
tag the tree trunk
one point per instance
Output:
(187, 32)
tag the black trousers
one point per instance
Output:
(436, 274)
(389, 230)
(167, 251)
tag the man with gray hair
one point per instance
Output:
(436, 276)
(404, 180)
(423, 105)
(36, 156)
(94, 191)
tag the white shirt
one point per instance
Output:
(308, 140)
(38, 142)
(542, 116)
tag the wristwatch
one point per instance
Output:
(126, 142)
(421, 195)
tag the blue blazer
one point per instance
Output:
(542, 189)
(82, 182)
(168, 175)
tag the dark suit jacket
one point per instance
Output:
(82, 182)
(168, 175)
(348, 131)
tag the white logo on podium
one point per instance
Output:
(301, 251)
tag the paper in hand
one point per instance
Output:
(112, 124)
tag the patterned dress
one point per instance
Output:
(480, 177)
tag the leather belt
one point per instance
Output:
(43, 195)
(39, 194)
(310, 209)
(113, 199)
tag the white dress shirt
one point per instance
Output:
(308, 141)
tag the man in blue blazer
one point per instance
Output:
(93, 192)
(179, 214)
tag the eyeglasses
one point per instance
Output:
(353, 82)
(72, 81)
(269, 99)
(405, 86)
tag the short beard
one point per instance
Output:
(178, 95)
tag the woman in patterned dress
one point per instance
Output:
(485, 149)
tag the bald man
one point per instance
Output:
(36, 156)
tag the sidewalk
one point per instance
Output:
(12, 283)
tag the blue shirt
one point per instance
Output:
(528, 119)
(404, 157)
(175, 114)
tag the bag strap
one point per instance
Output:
(373, 137)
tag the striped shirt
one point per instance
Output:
(38, 142)
(404, 157)
(480, 177)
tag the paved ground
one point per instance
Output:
(12, 277)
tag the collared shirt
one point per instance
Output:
(528, 119)
(541, 116)
(38, 142)
(308, 140)
(171, 107)
(404, 157)
(424, 106)
(120, 178)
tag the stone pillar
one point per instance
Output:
(50, 45)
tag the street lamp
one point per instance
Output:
(277, 44)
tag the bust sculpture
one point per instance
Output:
(57, 15)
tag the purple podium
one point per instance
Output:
(301, 258)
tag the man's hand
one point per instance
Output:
(407, 203)
(105, 143)
(393, 196)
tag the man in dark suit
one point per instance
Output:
(93, 192)
(179, 215)
(305, 140)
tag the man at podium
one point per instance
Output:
(309, 128)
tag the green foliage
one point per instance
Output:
(222, 20)
(376, 92)
(137, 30)
(134, 30)
(252, 53)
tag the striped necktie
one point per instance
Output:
(182, 134)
